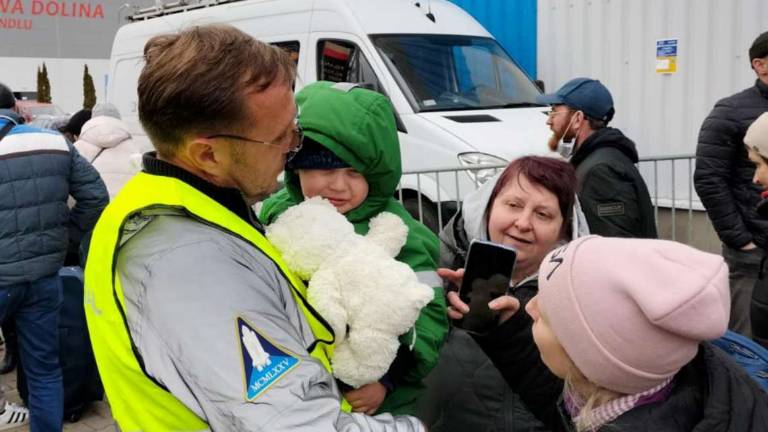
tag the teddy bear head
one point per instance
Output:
(307, 234)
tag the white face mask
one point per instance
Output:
(565, 149)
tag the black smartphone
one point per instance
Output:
(487, 275)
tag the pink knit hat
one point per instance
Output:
(630, 312)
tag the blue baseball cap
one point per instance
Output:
(584, 94)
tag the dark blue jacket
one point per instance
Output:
(39, 171)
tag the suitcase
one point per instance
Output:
(82, 384)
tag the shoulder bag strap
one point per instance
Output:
(7, 128)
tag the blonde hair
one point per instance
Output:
(588, 396)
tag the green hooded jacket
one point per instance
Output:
(358, 126)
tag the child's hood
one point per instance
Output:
(358, 126)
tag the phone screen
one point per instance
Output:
(487, 275)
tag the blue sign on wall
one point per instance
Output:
(512, 23)
(666, 48)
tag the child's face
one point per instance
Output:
(345, 188)
(552, 352)
(761, 168)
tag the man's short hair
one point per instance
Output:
(595, 124)
(195, 82)
(759, 48)
(7, 99)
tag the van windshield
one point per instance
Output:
(446, 72)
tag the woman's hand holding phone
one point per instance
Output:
(506, 305)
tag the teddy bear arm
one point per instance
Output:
(324, 294)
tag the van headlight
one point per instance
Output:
(474, 159)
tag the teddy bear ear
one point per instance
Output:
(389, 232)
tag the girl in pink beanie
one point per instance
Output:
(756, 140)
(621, 327)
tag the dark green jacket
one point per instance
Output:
(359, 127)
(612, 192)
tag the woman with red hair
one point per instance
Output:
(529, 206)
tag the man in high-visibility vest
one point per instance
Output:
(196, 322)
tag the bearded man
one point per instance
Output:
(612, 193)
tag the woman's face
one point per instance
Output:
(761, 168)
(552, 353)
(527, 217)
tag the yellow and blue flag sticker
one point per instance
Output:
(264, 362)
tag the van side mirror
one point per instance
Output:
(371, 86)
(540, 85)
(399, 124)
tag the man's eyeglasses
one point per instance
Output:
(296, 140)
(552, 112)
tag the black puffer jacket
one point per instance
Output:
(710, 394)
(467, 393)
(723, 176)
(612, 192)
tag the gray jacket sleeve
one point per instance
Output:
(193, 297)
(89, 192)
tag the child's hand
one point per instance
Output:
(367, 399)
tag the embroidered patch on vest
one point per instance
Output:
(264, 362)
(610, 209)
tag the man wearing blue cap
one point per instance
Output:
(612, 193)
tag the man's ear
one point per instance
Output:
(578, 117)
(207, 158)
(760, 65)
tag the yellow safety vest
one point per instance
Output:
(138, 402)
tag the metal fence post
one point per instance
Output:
(674, 203)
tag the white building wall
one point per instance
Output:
(615, 41)
(65, 76)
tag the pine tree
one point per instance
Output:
(39, 83)
(89, 92)
(45, 87)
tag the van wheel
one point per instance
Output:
(428, 212)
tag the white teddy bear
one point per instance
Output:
(367, 296)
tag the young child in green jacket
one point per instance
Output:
(351, 157)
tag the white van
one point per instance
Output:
(460, 99)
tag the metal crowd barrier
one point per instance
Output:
(669, 180)
(669, 189)
(451, 185)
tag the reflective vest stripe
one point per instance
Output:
(430, 278)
